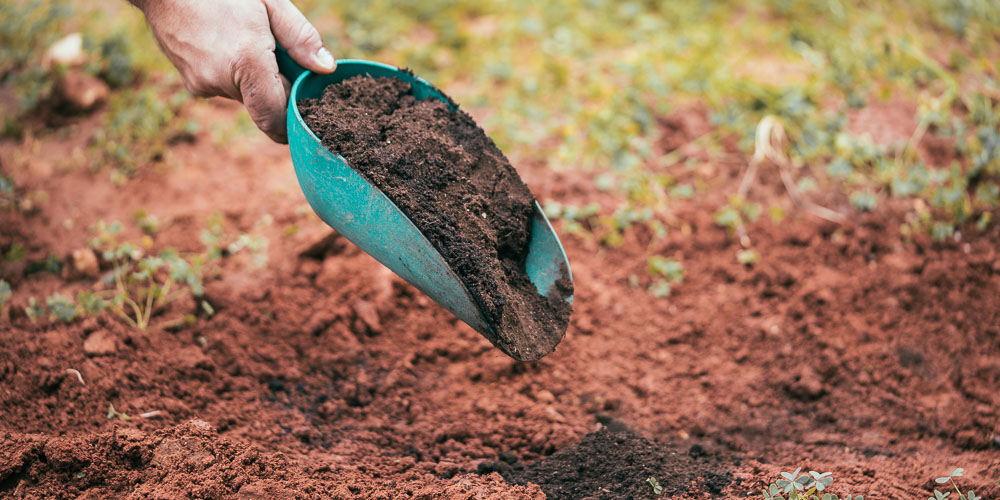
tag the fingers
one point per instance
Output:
(263, 92)
(293, 31)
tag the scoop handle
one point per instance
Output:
(286, 65)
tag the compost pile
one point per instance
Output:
(458, 189)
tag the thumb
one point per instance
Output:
(263, 91)
(293, 31)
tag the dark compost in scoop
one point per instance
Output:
(458, 189)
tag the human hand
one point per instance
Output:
(226, 48)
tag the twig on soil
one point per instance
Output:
(769, 144)
(79, 377)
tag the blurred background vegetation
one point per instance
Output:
(584, 86)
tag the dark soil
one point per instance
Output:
(609, 464)
(456, 186)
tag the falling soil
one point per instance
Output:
(459, 190)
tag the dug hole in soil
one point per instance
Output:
(323, 375)
(458, 189)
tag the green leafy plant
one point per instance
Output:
(147, 222)
(90, 302)
(577, 218)
(138, 125)
(34, 310)
(864, 201)
(142, 285)
(968, 495)
(657, 488)
(146, 284)
(219, 244)
(26, 30)
(665, 273)
(61, 308)
(808, 486)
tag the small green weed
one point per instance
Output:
(5, 292)
(665, 273)
(147, 222)
(112, 413)
(219, 244)
(34, 310)
(61, 308)
(577, 218)
(26, 31)
(796, 486)
(736, 215)
(968, 495)
(143, 284)
(657, 488)
(14, 253)
(117, 49)
(138, 126)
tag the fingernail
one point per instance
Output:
(325, 59)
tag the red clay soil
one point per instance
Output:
(324, 375)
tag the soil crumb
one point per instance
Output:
(457, 187)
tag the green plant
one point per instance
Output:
(147, 222)
(810, 486)
(864, 201)
(736, 214)
(34, 310)
(137, 127)
(116, 48)
(142, 284)
(14, 253)
(748, 257)
(575, 216)
(145, 284)
(51, 264)
(657, 488)
(219, 244)
(5, 292)
(665, 273)
(7, 197)
(112, 413)
(968, 495)
(26, 31)
(61, 308)
(90, 302)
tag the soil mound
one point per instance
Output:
(188, 460)
(608, 464)
(456, 186)
(191, 460)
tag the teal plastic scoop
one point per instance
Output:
(359, 211)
